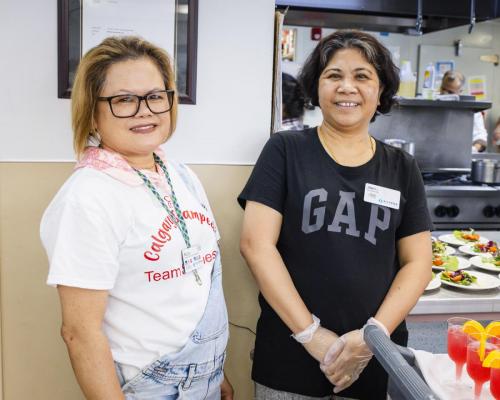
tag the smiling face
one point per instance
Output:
(135, 138)
(348, 91)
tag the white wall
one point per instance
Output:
(228, 125)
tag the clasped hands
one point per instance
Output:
(342, 359)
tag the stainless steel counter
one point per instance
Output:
(446, 300)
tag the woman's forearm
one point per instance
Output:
(407, 287)
(93, 365)
(276, 285)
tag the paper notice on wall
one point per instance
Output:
(154, 20)
(477, 87)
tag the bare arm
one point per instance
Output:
(415, 258)
(261, 228)
(82, 315)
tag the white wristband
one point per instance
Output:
(307, 334)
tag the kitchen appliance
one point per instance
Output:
(483, 171)
(405, 145)
(456, 202)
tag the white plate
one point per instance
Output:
(484, 282)
(433, 284)
(451, 239)
(463, 263)
(477, 262)
(449, 251)
(469, 249)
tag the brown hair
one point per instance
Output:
(91, 75)
(374, 52)
(452, 76)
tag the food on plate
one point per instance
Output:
(446, 262)
(491, 247)
(491, 260)
(466, 235)
(438, 247)
(460, 277)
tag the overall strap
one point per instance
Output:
(187, 178)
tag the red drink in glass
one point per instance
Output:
(495, 383)
(457, 348)
(475, 369)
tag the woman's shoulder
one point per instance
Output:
(295, 139)
(88, 187)
(295, 135)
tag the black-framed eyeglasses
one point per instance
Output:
(127, 105)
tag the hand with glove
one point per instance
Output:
(317, 340)
(343, 364)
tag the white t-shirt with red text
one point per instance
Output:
(106, 230)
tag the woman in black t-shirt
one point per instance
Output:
(336, 232)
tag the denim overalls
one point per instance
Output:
(196, 371)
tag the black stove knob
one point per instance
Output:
(497, 211)
(440, 211)
(452, 211)
(488, 211)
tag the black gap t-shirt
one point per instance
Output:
(340, 251)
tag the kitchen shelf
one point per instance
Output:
(475, 106)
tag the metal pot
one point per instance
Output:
(409, 147)
(497, 173)
(484, 171)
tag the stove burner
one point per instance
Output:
(451, 179)
(455, 202)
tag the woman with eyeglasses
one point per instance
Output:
(132, 241)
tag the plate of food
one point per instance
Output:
(469, 280)
(475, 249)
(449, 263)
(459, 238)
(440, 248)
(434, 283)
(486, 262)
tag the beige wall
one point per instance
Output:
(34, 360)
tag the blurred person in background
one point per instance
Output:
(293, 104)
(453, 83)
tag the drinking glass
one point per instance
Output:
(475, 369)
(495, 383)
(457, 344)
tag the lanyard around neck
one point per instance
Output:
(181, 223)
(178, 213)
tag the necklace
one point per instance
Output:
(329, 150)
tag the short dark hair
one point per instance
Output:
(293, 97)
(374, 52)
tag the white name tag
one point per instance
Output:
(191, 258)
(382, 196)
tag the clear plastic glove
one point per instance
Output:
(342, 365)
(321, 342)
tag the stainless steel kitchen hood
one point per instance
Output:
(396, 16)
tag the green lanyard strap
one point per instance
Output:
(181, 223)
